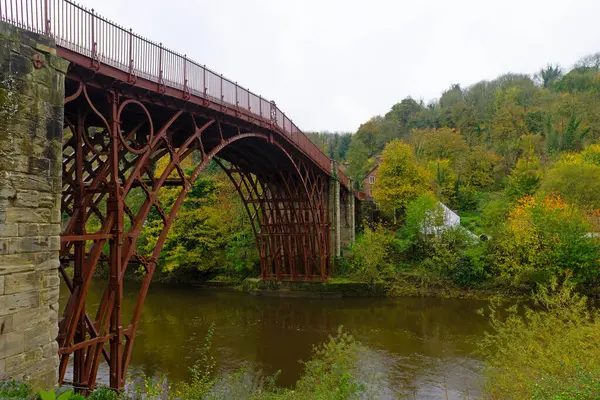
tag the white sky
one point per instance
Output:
(333, 64)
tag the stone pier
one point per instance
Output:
(342, 211)
(31, 118)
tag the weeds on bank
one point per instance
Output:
(545, 351)
(331, 374)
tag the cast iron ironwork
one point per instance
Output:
(130, 103)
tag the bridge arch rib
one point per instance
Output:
(113, 146)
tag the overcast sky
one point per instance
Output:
(333, 64)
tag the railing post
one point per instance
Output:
(273, 112)
(237, 103)
(93, 35)
(186, 94)
(46, 19)
(160, 69)
(221, 88)
(249, 106)
(131, 76)
(260, 105)
(204, 80)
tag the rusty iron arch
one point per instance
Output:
(107, 159)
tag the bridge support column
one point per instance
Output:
(31, 126)
(348, 219)
(335, 216)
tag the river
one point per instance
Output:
(421, 346)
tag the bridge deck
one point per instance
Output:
(89, 40)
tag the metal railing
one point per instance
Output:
(80, 30)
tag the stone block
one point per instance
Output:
(49, 229)
(25, 319)
(27, 198)
(54, 243)
(29, 229)
(12, 303)
(16, 268)
(50, 349)
(46, 261)
(1, 285)
(38, 336)
(8, 245)
(20, 361)
(49, 295)
(22, 282)
(42, 374)
(11, 343)
(25, 181)
(28, 215)
(6, 191)
(6, 325)
(34, 244)
(49, 278)
(46, 200)
(55, 216)
(8, 230)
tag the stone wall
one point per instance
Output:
(347, 218)
(31, 114)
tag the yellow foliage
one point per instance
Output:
(400, 178)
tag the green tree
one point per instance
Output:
(400, 177)
(549, 74)
(525, 177)
(577, 182)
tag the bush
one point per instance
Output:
(545, 237)
(435, 247)
(14, 389)
(525, 177)
(104, 394)
(473, 267)
(577, 182)
(548, 351)
(372, 256)
(332, 371)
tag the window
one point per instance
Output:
(371, 179)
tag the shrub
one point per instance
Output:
(104, 393)
(202, 372)
(591, 154)
(546, 237)
(14, 389)
(416, 213)
(548, 351)
(525, 177)
(372, 255)
(473, 266)
(576, 182)
(332, 371)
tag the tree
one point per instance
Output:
(439, 143)
(525, 177)
(477, 169)
(400, 178)
(363, 146)
(577, 181)
(549, 74)
(589, 61)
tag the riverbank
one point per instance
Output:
(402, 285)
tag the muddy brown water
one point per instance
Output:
(419, 347)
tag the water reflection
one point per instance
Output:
(414, 342)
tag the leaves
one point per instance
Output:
(400, 178)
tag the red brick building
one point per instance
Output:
(370, 179)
